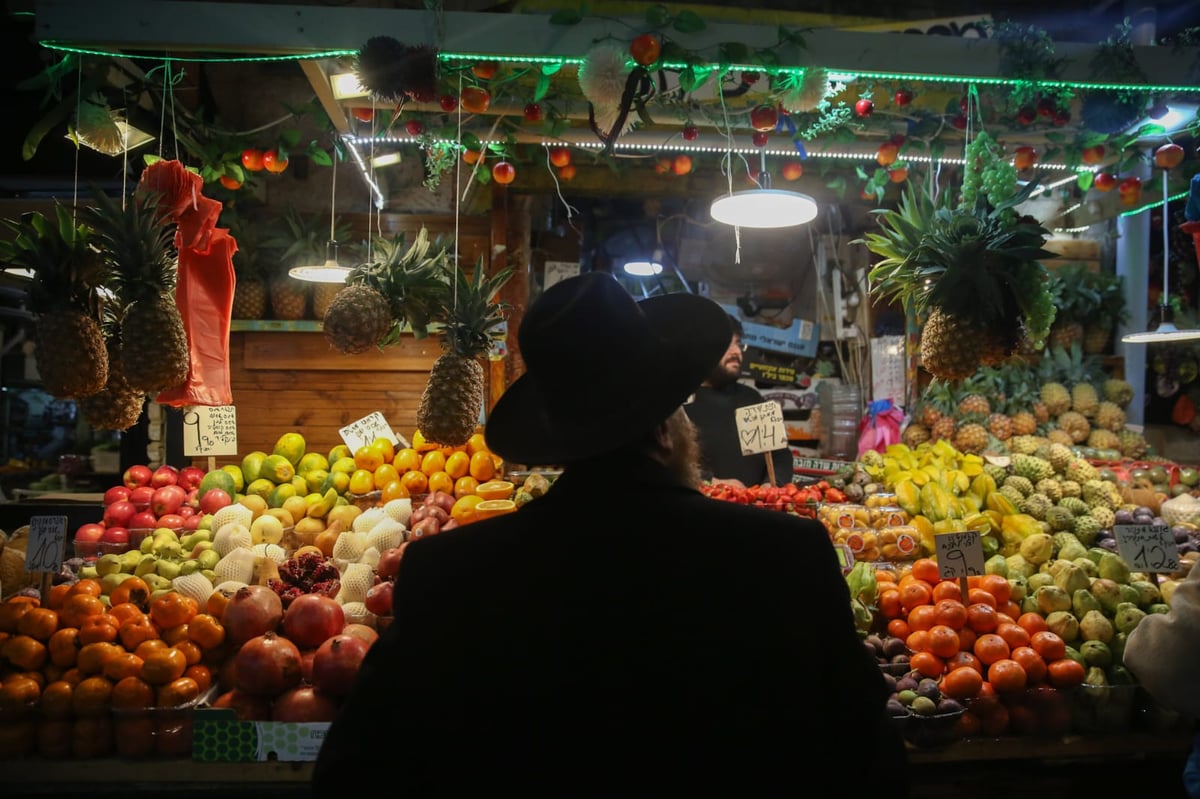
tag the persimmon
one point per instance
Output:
(1013, 633)
(922, 617)
(144, 649)
(990, 648)
(952, 613)
(981, 617)
(93, 696)
(131, 589)
(915, 593)
(202, 675)
(927, 663)
(173, 635)
(118, 667)
(1065, 673)
(164, 666)
(926, 569)
(206, 630)
(969, 725)
(1032, 622)
(977, 596)
(136, 631)
(92, 736)
(178, 692)
(92, 657)
(947, 589)
(888, 603)
(125, 611)
(101, 627)
(964, 658)
(898, 628)
(917, 640)
(962, 682)
(77, 607)
(1049, 645)
(88, 586)
(57, 701)
(172, 609)
(134, 734)
(54, 737)
(56, 595)
(1007, 676)
(18, 697)
(1033, 663)
(25, 652)
(11, 613)
(39, 623)
(943, 641)
(190, 649)
(132, 692)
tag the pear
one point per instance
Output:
(1114, 567)
(1087, 566)
(1096, 653)
(1082, 601)
(1051, 598)
(1127, 617)
(130, 560)
(108, 564)
(147, 565)
(1095, 626)
(110, 581)
(167, 568)
(208, 559)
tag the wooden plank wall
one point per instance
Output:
(293, 381)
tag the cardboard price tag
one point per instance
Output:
(210, 430)
(47, 542)
(760, 427)
(367, 429)
(1147, 547)
(959, 554)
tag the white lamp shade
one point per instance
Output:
(764, 208)
(329, 272)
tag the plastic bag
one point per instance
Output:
(880, 427)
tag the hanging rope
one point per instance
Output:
(75, 183)
(727, 168)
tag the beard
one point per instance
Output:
(724, 373)
(682, 451)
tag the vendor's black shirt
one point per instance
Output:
(712, 411)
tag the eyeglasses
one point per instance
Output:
(737, 342)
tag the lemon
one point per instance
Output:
(291, 446)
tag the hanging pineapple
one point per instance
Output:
(453, 399)
(71, 356)
(118, 405)
(137, 243)
(402, 286)
(971, 271)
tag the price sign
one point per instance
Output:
(367, 429)
(1147, 547)
(210, 430)
(959, 554)
(47, 542)
(760, 427)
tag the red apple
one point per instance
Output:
(1027, 115)
(186, 510)
(165, 475)
(172, 521)
(119, 513)
(192, 498)
(214, 499)
(115, 494)
(902, 97)
(533, 112)
(690, 132)
(1104, 182)
(192, 522)
(190, 476)
(414, 127)
(760, 138)
(90, 532)
(115, 535)
(1047, 107)
(137, 475)
(167, 500)
(143, 520)
(141, 496)
(864, 107)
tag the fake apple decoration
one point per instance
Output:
(760, 138)
(1104, 182)
(645, 49)
(533, 112)
(1025, 157)
(791, 170)
(1168, 156)
(414, 127)
(764, 117)
(887, 153)
(1093, 154)
(503, 172)
(690, 132)
(864, 108)
(902, 97)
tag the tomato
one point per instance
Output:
(252, 159)
(645, 49)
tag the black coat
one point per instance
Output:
(622, 635)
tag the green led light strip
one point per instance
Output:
(65, 48)
(1153, 205)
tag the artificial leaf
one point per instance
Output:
(543, 86)
(768, 58)
(1085, 179)
(471, 142)
(792, 37)
(688, 22)
(733, 52)
(551, 69)
(44, 125)
(150, 158)
(235, 171)
(658, 16)
(319, 156)
(289, 138)
(936, 148)
(687, 79)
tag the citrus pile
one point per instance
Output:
(423, 468)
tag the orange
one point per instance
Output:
(926, 569)
(914, 593)
(964, 658)
(385, 474)
(997, 586)
(476, 443)
(951, 613)
(387, 450)
(1066, 673)
(494, 507)
(433, 461)
(464, 508)
(1014, 634)
(1032, 622)
(441, 481)
(362, 481)
(927, 663)
(922, 617)
(458, 464)
(482, 468)
(464, 486)
(367, 458)
(1007, 676)
(917, 640)
(1032, 662)
(982, 617)
(1049, 645)
(495, 489)
(947, 589)
(407, 460)
(889, 603)
(394, 490)
(898, 628)
(963, 682)
(943, 641)
(420, 444)
(990, 648)
(416, 482)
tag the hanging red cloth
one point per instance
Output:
(205, 283)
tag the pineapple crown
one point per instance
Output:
(298, 238)
(248, 263)
(58, 252)
(470, 311)
(137, 242)
(1073, 366)
(412, 279)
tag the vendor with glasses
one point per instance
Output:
(712, 410)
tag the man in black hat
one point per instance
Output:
(713, 410)
(622, 635)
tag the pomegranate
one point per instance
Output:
(304, 704)
(337, 662)
(268, 665)
(245, 706)
(311, 618)
(379, 598)
(389, 563)
(363, 631)
(250, 612)
(306, 661)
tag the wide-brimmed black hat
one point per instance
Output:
(601, 369)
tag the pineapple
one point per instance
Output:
(250, 288)
(1110, 416)
(322, 296)
(1000, 425)
(298, 239)
(1041, 412)
(1118, 391)
(1024, 423)
(453, 399)
(118, 405)
(1084, 399)
(1057, 436)
(136, 242)
(249, 299)
(71, 356)
(289, 297)
(1056, 398)
(1076, 425)
(971, 437)
(944, 429)
(914, 435)
(974, 403)
(379, 296)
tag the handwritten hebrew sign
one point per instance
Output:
(1147, 547)
(760, 427)
(210, 430)
(959, 554)
(367, 429)
(47, 542)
